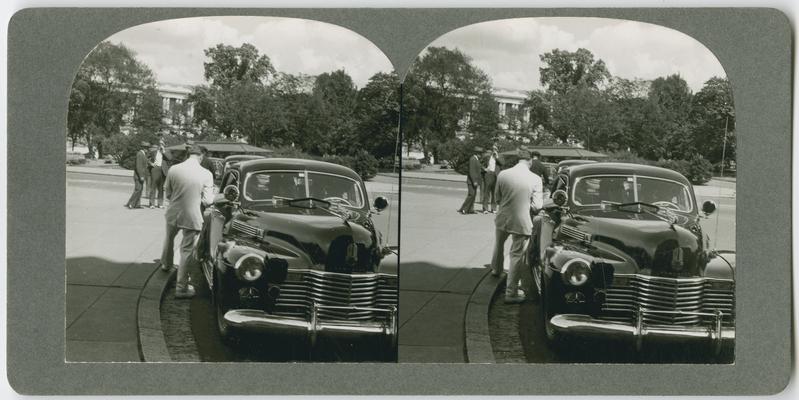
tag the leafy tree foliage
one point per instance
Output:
(112, 89)
(713, 115)
(228, 66)
(377, 112)
(565, 70)
(440, 90)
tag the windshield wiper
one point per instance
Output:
(642, 207)
(650, 209)
(310, 200)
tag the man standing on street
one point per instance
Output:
(157, 177)
(473, 180)
(140, 173)
(490, 181)
(517, 190)
(207, 163)
(188, 185)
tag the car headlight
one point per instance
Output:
(575, 272)
(249, 267)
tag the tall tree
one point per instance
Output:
(228, 65)
(440, 90)
(333, 105)
(236, 77)
(669, 127)
(713, 113)
(564, 70)
(110, 90)
(377, 115)
(484, 120)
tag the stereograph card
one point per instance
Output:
(399, 201)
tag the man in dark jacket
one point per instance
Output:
(140, 173)
(207, 163)
(539, 168)
(474, 179)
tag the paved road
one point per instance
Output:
(441, 247)
(105, 238)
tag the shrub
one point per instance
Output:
(123, 147)
(700, 170)
(624, 156)
(681, 166)
(365, 164)
(291, 152)
(457, 152)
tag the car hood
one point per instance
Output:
(316, 237)
(646, 246)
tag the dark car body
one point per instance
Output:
(324, 269)
(236, 158)
(569, 163)
(607, 266)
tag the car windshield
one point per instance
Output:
(621, 189)
(274, 186)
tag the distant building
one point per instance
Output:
(178, 111)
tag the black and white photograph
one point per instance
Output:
(569, 196)
(232, 195)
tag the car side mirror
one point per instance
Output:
(231, 193)
(559, 197)
(708, 207)
(380, 203)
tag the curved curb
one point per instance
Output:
(478, 341)
(152, 345)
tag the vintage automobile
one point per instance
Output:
(228, 161)
(621, 254)
(289, 248)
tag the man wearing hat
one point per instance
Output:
(517, 190)
(140, 173)
(188, 186)
(473, 180)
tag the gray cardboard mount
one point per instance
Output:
(47, 45)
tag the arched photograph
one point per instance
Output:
(569, 194)
(232, 195)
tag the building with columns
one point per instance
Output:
(177, 110)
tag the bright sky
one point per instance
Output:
(173, 49)
(508, 50)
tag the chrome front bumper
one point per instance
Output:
(260, 321)
(581, 325)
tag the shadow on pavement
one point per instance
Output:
(101, 303)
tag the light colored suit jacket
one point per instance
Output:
(188, 185)
(516, 189)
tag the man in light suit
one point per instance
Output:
(517, 190)
(473, 180)
(140, 173)
(188, 186)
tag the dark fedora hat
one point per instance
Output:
(524, 154)
(195, 149)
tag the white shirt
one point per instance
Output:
(158, 158)
(492, 164)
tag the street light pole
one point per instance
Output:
(724, 146)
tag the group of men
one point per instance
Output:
(152, 165)
(515, 194)
(188, 187)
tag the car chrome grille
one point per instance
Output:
(574, 233)
(247, 229)
(686, 295)
(341, 290)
